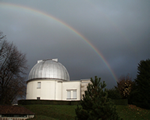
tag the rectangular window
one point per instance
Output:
(39, 85)
(74, 94)
(68, 94)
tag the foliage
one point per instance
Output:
(12, 66)
(142, 85)
(95, 104)
(120, 101)
(114, 93)
(124, 86)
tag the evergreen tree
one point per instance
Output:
(142, 88)
(95, 104)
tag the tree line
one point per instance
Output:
(137, 91)
(97, 100)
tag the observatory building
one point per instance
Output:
(49, 80)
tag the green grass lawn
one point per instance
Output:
(53, 112)
(132, 112)
(67, 112)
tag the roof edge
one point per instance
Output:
(34, 79)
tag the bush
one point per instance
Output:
(114, 94)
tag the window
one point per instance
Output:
(68, 94)
(39, 85)
(71, 94)
(74, 94)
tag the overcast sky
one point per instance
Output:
(45, 29)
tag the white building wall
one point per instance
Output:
(84, 84)
(47, 90)
(56, 89)
(31, 92)
(28, 91)
(59, 90)
(70, 86)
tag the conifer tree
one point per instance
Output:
(95, 104)
(142, 88)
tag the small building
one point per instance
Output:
(14, 113)
(50, 80)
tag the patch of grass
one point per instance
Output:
(131, 112)
(67, 112)
(54, 112)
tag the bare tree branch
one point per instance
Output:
(12, 71)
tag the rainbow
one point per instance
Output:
(10, 5)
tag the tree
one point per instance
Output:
(142, 85)
(95, 103)
(124, 86)
(12, 71)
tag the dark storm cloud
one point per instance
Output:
(118, 29)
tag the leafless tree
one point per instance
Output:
(125, 85)
(12, 71)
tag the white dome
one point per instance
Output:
(49, 69)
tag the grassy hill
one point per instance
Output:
(67, 112)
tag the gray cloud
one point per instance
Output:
(118, 29)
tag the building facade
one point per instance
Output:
(49, 80)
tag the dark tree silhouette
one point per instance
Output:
(142, 85)
(12, 71)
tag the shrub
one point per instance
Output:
(114, 94)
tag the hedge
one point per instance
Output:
(60, 102)
(47, 102)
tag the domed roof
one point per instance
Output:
(50, 69)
